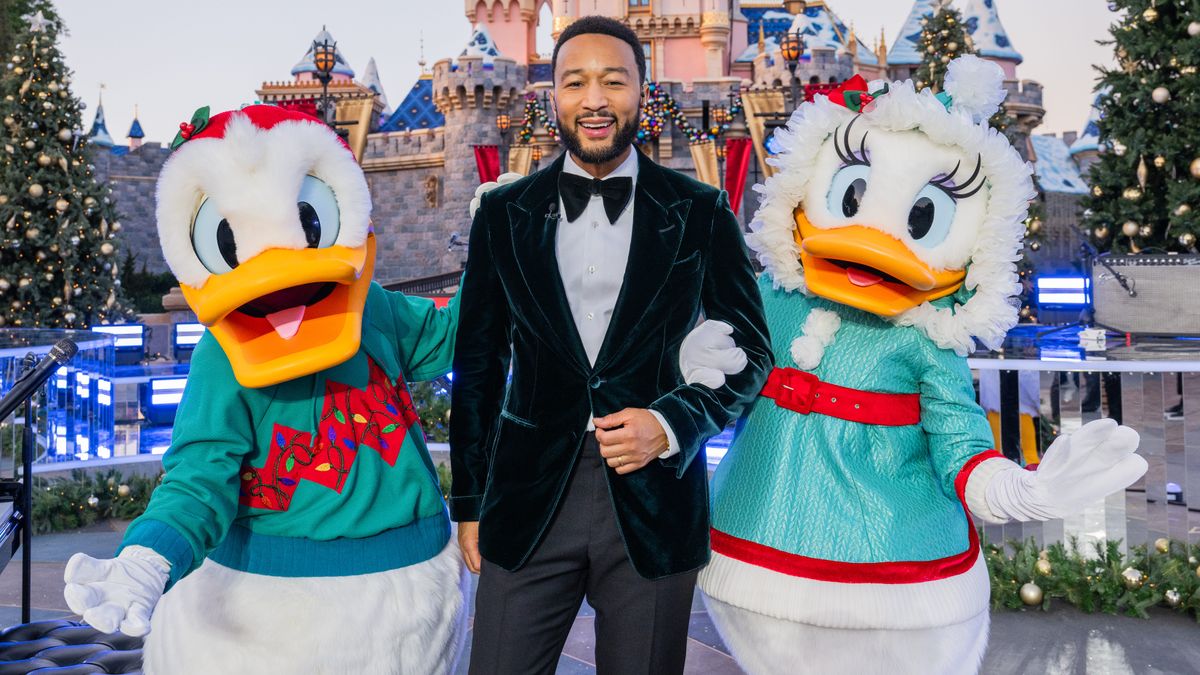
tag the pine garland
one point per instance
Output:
(1106, 581)
(70, 503)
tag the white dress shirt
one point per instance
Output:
(592, 256)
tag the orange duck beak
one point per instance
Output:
(865, 268)
(287, 313)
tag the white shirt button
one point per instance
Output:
(591, 269)
(595, 224)
(590, 316)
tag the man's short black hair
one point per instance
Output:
(602, 25)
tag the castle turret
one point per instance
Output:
(511, 23)
(470, 92)
(98, 135)
(135, 134)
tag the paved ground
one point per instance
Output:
(1060, 642)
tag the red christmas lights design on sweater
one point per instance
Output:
(378, 417)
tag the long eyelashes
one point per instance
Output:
(946, 183)
(845, 152)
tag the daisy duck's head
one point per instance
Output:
(888, 199)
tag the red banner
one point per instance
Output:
(737, 162)
(487, 159)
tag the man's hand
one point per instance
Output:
(630, 439)
(468, 542)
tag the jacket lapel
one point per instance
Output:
(533, 240)
(658, 222)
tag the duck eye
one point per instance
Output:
(930, 217)
(318, 213)
(213, 240)
(847, 189)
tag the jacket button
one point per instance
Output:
(595, 382)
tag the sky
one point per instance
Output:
(169, 58)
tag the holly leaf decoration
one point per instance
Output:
(188, 130)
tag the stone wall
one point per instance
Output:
(132, 178)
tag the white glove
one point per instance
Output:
(117, 593)
(708, 354)
(503, 179)
(1077, 470)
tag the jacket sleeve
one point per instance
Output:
(191, 511)
(481, 355)
(956, 426)
(729, 293)
(425, 335)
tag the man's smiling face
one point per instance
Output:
(597, 97)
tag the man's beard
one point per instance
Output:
(622, 138)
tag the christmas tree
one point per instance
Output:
(943, 39)
(1146, 185)
(58, 264)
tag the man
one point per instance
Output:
(585, 475)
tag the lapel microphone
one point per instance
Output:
(553, 213)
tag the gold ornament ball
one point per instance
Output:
(18, 70)
(53, 86)
(1181, 210)
(952, 46)
(1150, 14)
(24, 282)
(32, 233)
(1097, 192)
(48, 276)
(1101, 232)
(29, 145)
(1031, 594)
(44, 160)
(1132, 194)
(1145, 230)
(64, 135)
(1025, 312)
(1035, 226)
(89, 202)
(1173, 598)
(42, 95)
(1187, 239)
(61, 205)
(1035, 246)
(1160, 161)
(36, 190)
(123, 491)
(8, 121)
(1194, 28)
(1198, 571)
(1043, 567)
(3, 199)
(1119, 148)
(1161, 95)
(1132, 578)
(1195, 168)
(106, 248)
(1162, 545)
(1130, 228)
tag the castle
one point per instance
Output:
(420, 157)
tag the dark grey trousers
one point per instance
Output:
(522, 618)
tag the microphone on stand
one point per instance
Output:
(32, 380)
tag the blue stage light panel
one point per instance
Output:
(188, 334)
(1063, 292)
(166, 391)
(128, 336)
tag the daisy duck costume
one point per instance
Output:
(300, 527)
(842, 535)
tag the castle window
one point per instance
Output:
(639, 5)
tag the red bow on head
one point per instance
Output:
(852, 94)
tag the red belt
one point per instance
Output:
(805, 393)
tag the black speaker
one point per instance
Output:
(1165, 291)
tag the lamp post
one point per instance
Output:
(536, 154)
(791, 48)
(325, 58)
(503, 123)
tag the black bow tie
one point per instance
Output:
(577, 190)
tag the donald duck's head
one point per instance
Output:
(264, 218)
(886, 199)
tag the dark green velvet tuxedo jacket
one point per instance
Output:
(513, 445)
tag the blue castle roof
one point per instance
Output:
(98, 135)
(135, 130)
(1089, 139)
(987, 33)
(1054, 168)
(904, 51)
(818, 26)
(416, 111)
